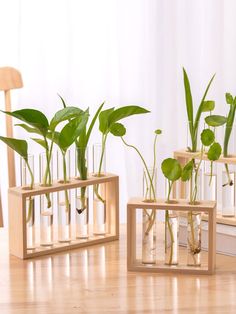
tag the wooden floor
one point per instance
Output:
(95, 280)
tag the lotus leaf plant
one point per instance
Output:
(190, 173)
(228, 121)
(172, 171)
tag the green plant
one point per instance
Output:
(218, 120)
(81, 145)
(172, 170)
(108, 123)
(191, 169)
(119, 130)
(37, 123)
(67, 136)
(190, 173)
(21, 147)
(205, 106)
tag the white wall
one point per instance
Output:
(124, 52)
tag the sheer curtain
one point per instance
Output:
(124, 52)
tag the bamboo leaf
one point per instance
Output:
(189, 101)
(200, 108)
(93, 122)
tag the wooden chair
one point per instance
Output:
(10, 78)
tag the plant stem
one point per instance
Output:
(67, 202)
(83, 171)
(31, 204)
(190, 219)
(96, 187)
(153, 214)
(167, 219)
(145, 166)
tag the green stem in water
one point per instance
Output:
(96, 187)
(83, 171)
(153, 214)
(67, 202)
(31, 201)
(145, 166)
(167, 219)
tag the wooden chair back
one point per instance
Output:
(10, 78)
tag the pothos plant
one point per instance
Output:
(35, 122)
(108, 123)
(204, 106)
(66, 137)
(81, 144)
(218, 120)
(21, 147)
(172, 170)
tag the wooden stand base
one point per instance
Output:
(17, 216)
(133, 261)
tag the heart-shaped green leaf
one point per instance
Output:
(19, 146)
(207, 137)
(40, 142)
(71, 131)
(63, 115)
(103, 120)
(214, 152)
(33, 117)
(187, 171)
(124, 112)
(171, 169)
(118, 129)
(215, 120)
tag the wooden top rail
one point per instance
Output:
(188, 155)
(180, 204)
(57, 186)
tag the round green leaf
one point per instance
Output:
(117, 129)
(171, 169)
(215, 120)
(207, 137)
(208, 105)
(214, 152)
(187, 171)
(158, 131)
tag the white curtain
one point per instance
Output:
(124, 52)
